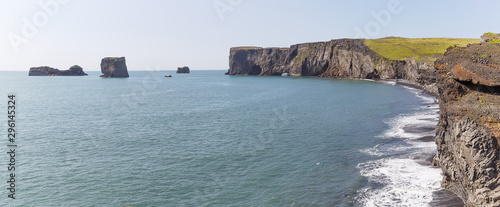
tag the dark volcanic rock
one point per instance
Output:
(73, 70)
(343, 58)
(468, 131)
(184, 69)
(48, 71)
(477, 64)
(114, 67)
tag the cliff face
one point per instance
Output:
(468, 131)
(344, 58)
(114, 67)
(48, 71)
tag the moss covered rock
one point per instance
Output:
(491, 37)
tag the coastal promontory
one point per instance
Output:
(114, 67)
(468, 132)
(49, 71)
(409, 59)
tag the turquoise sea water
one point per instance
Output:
(206, 139)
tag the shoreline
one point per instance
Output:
(409, 177)
(443, 197)
(410, 84)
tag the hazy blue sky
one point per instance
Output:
(165, 34)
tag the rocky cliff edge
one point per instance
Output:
(468, 131)
(343, 58)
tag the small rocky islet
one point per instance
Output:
(49, 71)
(114, 67)
(110, 67)
(184, 69)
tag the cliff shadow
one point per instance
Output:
(481, 88)
(255, 70)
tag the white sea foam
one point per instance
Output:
(398, 179)
(389, 82)
(386, 149)
(374, 151)
(425, 120)
(420, 94)
(405, 183)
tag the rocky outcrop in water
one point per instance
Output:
(48, 71)
(114, 67)
(468, 132)
(184, 69)
(343, 58)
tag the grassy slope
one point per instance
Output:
(422, 49)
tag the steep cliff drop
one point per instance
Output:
(343, 58)
(114, 67)
(468, 131)
(48, 71)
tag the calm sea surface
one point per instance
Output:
(206, 139)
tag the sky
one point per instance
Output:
(166, 34)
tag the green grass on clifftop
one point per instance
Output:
(422, 49)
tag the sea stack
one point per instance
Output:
(184, 69)
(49, 71)
(114, 67)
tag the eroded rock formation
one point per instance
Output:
(48, 71)
(114, 67)
(184, 69)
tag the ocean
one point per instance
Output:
(206, 139)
